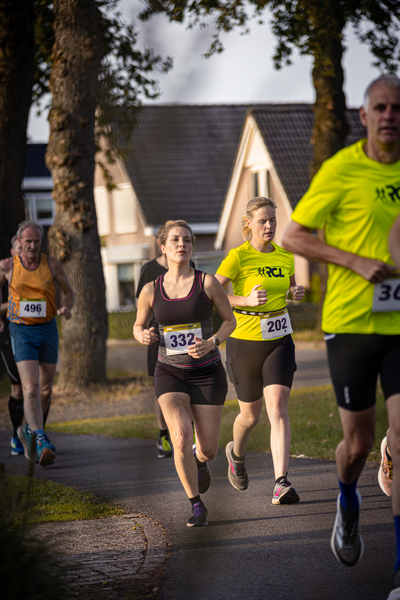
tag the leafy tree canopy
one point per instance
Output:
(376, 22)
(126, 73)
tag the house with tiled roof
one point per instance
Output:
(273, 160)
(178, 167)
(199, 163)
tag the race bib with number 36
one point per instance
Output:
(32, 307)
(274, 327)
(177, 338)
(386, 296)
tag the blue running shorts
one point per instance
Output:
(35, 342)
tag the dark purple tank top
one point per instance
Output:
(182, 319)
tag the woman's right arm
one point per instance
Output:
(141, 333)
(257, 296)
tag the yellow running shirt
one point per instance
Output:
(247, 267)
(356, 199)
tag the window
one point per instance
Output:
(40, 207)
(126, 284)
(101, 203)
(125, 220)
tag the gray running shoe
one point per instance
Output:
(199, 515)
(237, 473)
(346, 542)
(395, 593)
(284, 492)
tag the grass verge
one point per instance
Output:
(56, 502)
(314, 421)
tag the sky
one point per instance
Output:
(243, 73)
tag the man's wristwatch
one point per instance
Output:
(216, 341)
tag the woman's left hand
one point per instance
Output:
(201, 347)
(297, 292)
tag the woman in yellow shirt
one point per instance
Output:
(260, 352)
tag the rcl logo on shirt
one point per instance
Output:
(270, 271)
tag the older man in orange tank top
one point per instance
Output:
(32, 308)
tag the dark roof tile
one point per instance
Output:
(286, 131)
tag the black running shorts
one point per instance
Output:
(355, 361)
(205, 385)
(7, 357)
(253, 365)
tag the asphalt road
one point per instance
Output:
(251, 549)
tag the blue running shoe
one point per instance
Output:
(45, 455)
(16, 447)
(51, 446)
(199, 515)
(25, 436)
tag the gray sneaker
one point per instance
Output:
(284, 492)
(237, 473)
(395, 593)
(346, 542)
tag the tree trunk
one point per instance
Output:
(16, 83)
(70, 157)
(330, 123)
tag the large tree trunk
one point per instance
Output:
(330, 125)
(70, 156)
(16, 83)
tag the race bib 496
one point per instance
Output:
(177, 338)
(32, 307)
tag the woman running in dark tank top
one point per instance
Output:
(189, 376)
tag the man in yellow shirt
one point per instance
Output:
(355, 198)
(32, 309)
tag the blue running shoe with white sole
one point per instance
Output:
(45, 455)
(51, 446)
(16, 447)
(25, 436)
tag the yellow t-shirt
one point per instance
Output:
(247, 267)
(356, 199)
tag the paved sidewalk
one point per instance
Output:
(107, 552)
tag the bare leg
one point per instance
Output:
(29, 373)
(244, 424)
(176, 411)
(207, 422)
(352, 452)
(159, 416)
(47, 372)
(277, 404)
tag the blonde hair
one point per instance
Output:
(252, 206)
(165, 229)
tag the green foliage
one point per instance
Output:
(24, 561)
(120, 325)
(306, 26)
(56, 502)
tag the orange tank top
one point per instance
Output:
(31, 294)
